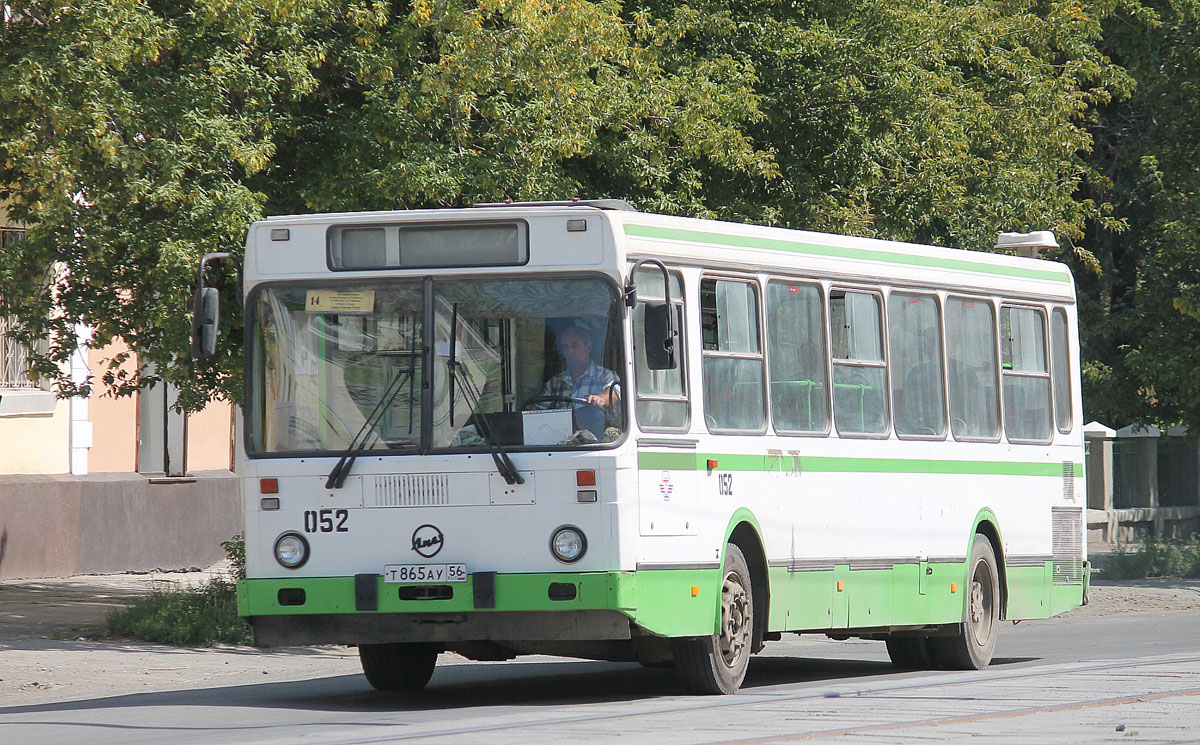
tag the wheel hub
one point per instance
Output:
(736, 621)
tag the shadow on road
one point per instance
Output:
(464, 686)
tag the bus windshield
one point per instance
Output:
(518, 363)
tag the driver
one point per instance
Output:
(582, 379)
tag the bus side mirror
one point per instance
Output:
(205, 315)
(660, 342)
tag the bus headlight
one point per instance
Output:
(568, 544)
(291, 550)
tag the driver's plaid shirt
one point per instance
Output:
(595, 380)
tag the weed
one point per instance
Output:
(206, 614)
(1155, 557)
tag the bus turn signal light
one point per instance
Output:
(585, 478)
(268, 486)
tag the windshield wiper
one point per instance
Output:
(504, 463)
(337, 477)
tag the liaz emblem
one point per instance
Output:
(427, 541)
(665, 487)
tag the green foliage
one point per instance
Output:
(1141, 315)
(943, 122)
(1155, 557)
(205, 615)
(235, 552)
(136, 135)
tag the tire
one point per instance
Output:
(398, 667)
(717, 664)
(974, 641)
(909, 652)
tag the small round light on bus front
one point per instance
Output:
(291, 550)
(568, 544)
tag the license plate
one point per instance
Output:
(424, 573)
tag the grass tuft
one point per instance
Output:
(1155, 557)
(202, 615)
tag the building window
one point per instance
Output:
(14, 360)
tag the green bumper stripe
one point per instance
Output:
(686, 602)
(660, 601)
(649, 461)
(812, 249)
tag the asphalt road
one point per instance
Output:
(1124, 678)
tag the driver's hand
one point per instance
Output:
(602, 399)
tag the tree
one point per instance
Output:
(1141, 314)
(136, 136)
(942, 122)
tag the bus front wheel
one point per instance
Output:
(717, 664)
(971, 647)
(399, 666)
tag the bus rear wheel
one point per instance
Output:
(717, 664)
(399, 666)
(971, 647)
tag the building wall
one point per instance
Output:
(114, 420)
(210, 438)
(36, 443)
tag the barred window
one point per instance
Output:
(9, 236)
(14, 360)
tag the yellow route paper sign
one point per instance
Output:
(340, 301)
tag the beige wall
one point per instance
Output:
(210, 438)
(114, 420)
(36, 443)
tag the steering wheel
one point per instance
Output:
(569, 400)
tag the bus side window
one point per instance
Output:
(733, 360)
(662, 402)
(1026, 374)
(915, 343)
(971, 366)
(1060, 358)
(859, 371)
(799, 377)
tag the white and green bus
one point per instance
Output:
(582, 430)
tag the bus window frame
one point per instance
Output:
(822, 297)
(761, 357)
(1047, 376)
(884, 341)
(403, 276)
(1065, 375)
(941, 317)
(681, 357)
(401, 225)
(999, 382)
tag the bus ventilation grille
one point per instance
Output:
(1068, 481)
(412, 490)
(1067, 540)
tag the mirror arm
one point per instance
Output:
(221, 256)
(631, 293)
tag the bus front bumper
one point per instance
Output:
(542, 606)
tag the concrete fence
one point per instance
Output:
(59, 525)
(1141, 481)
